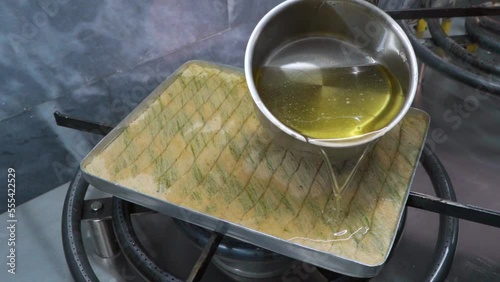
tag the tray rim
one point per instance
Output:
(306, 254)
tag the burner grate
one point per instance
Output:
(80, 268)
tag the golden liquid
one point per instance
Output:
(331, 103)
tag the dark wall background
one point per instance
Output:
(97, 60)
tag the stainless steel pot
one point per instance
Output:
(358, 33)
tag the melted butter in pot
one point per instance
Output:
(331, 103)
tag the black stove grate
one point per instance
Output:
(81, 270)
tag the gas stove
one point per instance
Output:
(108, 239)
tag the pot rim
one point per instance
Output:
(341, 142)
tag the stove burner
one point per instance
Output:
(131, 247)
(239, 260)
(243, 271)
(245, 262)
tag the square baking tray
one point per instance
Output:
(194, 150)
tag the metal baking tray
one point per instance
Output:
(134, 163)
